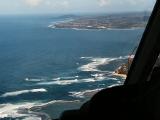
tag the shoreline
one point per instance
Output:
(120, 75)
(96, 29)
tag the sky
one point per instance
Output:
(73, 6)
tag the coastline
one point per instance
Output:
(120, 75)
(106, 22)
(96, 29)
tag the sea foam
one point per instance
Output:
(15, 93)
(69, 82)
(33, 80)
(24, 110)
(11, 110)
(96, 62)
(83, 94)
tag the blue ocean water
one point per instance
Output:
(49, 68)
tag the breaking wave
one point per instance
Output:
(15, 93)
(89, 93)
(34, 80)
(25, 110)
(13, 110)
(83, 94)
(92, 66)
(68, 82)
(96, 62)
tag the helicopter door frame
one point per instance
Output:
(148, 50)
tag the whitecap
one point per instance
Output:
(69, 82)
(66, 78)
(59, 82)
(96, 62)
(114, 85)
(119, 82)
(16, 93)
(50, 26)
(112, 78)
(24, 110)
(57, 78)
(12, 110)
(89, 93)
(83, 94)
(77, 76)
(86, 57)
(53, 102)
(97, 75)
(33, 80)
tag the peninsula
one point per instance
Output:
(111, 21)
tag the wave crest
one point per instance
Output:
(83, 94)
(25, 110)
(15, 93)
(96, 62)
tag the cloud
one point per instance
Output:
(104, 2)
(137, 2)
(133, 3)
(65, 4)
(48, 3)
(33, 3)
(57, 4)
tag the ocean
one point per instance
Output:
(44, 71)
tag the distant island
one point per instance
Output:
(111, 21)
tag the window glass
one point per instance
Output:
(56, 54)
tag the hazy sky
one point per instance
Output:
(73, 6)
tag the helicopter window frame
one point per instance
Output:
(148, 50)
